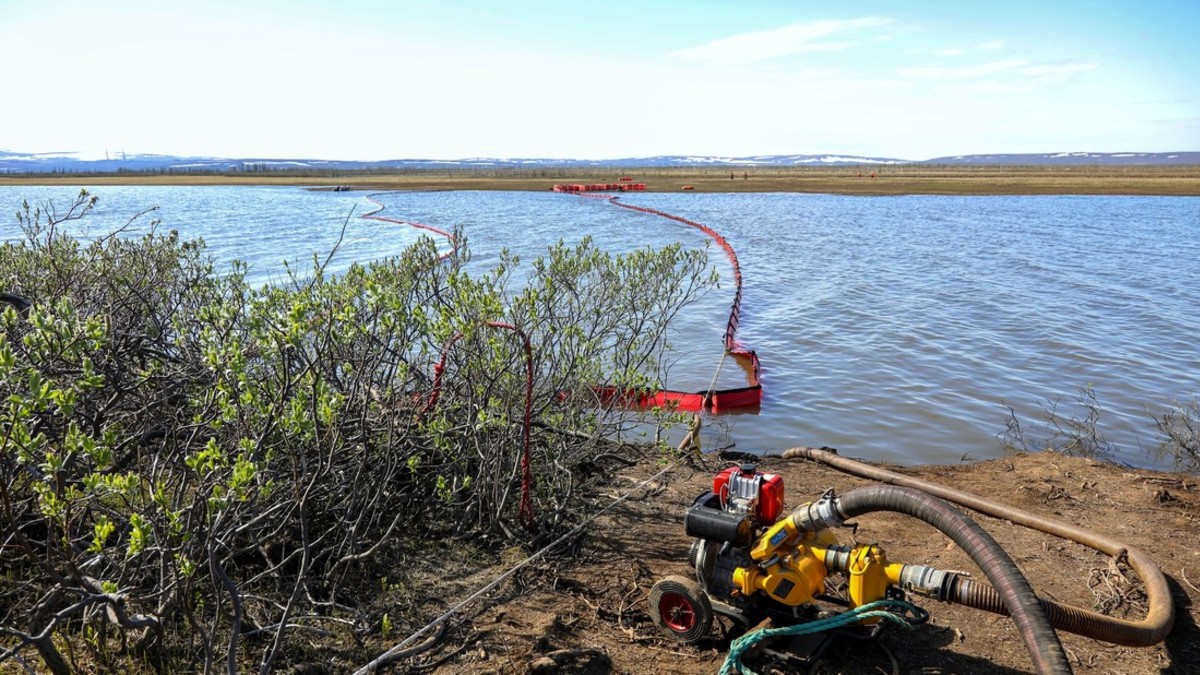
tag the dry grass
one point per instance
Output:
(864, 180)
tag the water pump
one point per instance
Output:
(754, 565)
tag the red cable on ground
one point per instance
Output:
(710, 400)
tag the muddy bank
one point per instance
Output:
(587, 613)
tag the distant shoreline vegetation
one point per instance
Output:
(863, 179)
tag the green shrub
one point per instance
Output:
(188, 463)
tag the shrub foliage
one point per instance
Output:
(194, 471)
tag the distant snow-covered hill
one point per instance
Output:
(70, 162)
(1075, 158)
(755, 160)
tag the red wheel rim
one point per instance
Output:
(677, 612)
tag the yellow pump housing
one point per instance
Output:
(791, 566)
(788, 568)
(871, 574)
(792, 580)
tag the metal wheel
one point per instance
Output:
(680, 609)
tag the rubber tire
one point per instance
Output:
(681, 609)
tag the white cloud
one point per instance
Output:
(791, 39)
(999, 77)
(1057, 70)
(963, 72)
(984, 88)
(990, 45)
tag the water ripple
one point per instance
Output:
(895, 327)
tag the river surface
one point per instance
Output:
(894, 328)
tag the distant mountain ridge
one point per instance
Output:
(70, 162)
(1075, 158)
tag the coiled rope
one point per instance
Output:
(890, 610)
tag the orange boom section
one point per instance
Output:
(624, 186)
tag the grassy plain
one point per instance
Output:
(858, 180)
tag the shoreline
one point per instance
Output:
(1178, 181)
(593, 605)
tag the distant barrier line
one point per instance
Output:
(706, 400)
(373, 215)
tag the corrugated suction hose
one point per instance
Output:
(1160, 614)
(1016, 594)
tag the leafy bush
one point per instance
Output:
(192, 470)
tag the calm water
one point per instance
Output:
(888, 327)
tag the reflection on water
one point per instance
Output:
(893, 327)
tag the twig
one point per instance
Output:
(891, 657)
(668, 651)
(434, 664)
(335, 248)
(1183, 573)
(385, 658)
(1161, 480)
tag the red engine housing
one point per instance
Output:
(745, 489)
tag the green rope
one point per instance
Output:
(881, 609)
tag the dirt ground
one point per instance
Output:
(588, 612)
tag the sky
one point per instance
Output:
(454, 79)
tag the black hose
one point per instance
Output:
(1160, 610)
(1016, 593)
(21, 303)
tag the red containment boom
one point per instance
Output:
(715, 401)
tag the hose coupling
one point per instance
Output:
(927, 581)
(819, 515)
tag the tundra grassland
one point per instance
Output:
(1183, 180)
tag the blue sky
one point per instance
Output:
(363, 79)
